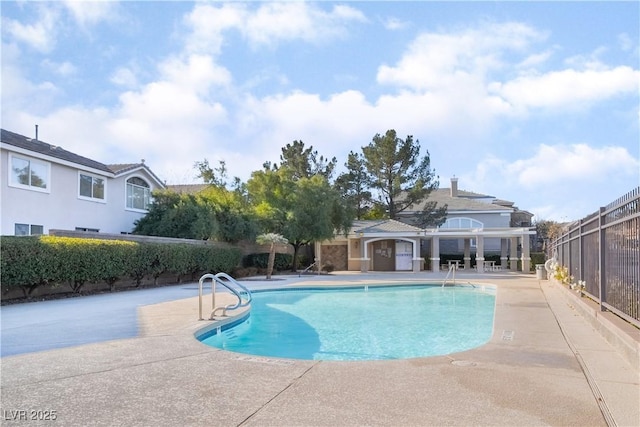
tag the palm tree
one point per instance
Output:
(272, 239)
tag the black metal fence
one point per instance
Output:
(603, 250)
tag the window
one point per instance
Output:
(28, 173)
(27, 229)
(462, 223)
(138, 194)
(91, 187)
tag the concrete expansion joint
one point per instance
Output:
(274, 397)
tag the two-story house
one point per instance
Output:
(44, 187)
(476, 224)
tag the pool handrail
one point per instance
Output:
(452, 268)
(217, 278)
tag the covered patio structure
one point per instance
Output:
(389, 245)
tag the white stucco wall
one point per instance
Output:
(61, 207)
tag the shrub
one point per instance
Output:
(30, 262)
(79, 261)
(282, 261)
(25, 263)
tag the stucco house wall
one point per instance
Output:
(60, 205)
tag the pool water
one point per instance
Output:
(376, 323)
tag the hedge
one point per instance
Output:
(261, 260)
(29, 262)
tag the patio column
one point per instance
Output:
(435, 254)
(513, 254)
(504, 257)
(526, 258)
(480, 254)
(467, 254)
(417, 261)
(364, 259)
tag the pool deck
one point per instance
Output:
(548, 363)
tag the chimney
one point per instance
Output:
(454, 187)
(36, 132)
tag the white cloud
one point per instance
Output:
(64, 68)
(268, 25)
(625, 42)
(555, 165)
(197, 73)
(40, 34)
(536, 59)
(87, 13)
(434, 58)
(273, 22)
(207, 23)
(125, 77)
(567, 88)
(394, 24)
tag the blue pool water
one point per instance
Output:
(388, 322)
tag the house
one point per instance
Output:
(477, 224)
(46, 187)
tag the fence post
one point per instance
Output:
(580, 251)
(601, 259)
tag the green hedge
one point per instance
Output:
(33, 261)
(282, 262)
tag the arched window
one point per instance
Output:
(462, 223)
(138, 193)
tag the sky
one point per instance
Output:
(532, 102)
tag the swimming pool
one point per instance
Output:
(372, 323)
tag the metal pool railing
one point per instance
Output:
(228, 282)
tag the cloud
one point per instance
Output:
(125, 77)
(567, 88)
(554, 165)
(436, 58)
(64, 68)
(268, 25)
(40, 34)
(394, 24)
(88, 13)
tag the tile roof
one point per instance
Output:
(40, 147)
(382, 226)
(460, 203)
(123, 168)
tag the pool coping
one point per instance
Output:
(544, 373)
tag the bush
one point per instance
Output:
(25, 263)
(537, 258)
(282, 261)
(30, 262)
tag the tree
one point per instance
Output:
(401, 177)
(271, 239)
(212, 214)
(547, 232)
(296, 200)
(303, 162)
(354, 184)
(209, 175)
(313, 215)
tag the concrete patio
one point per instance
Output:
(547, 363)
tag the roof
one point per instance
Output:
(382, 226)
(36, 146)
(40, 147)
(462, 202)
(124, 168)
